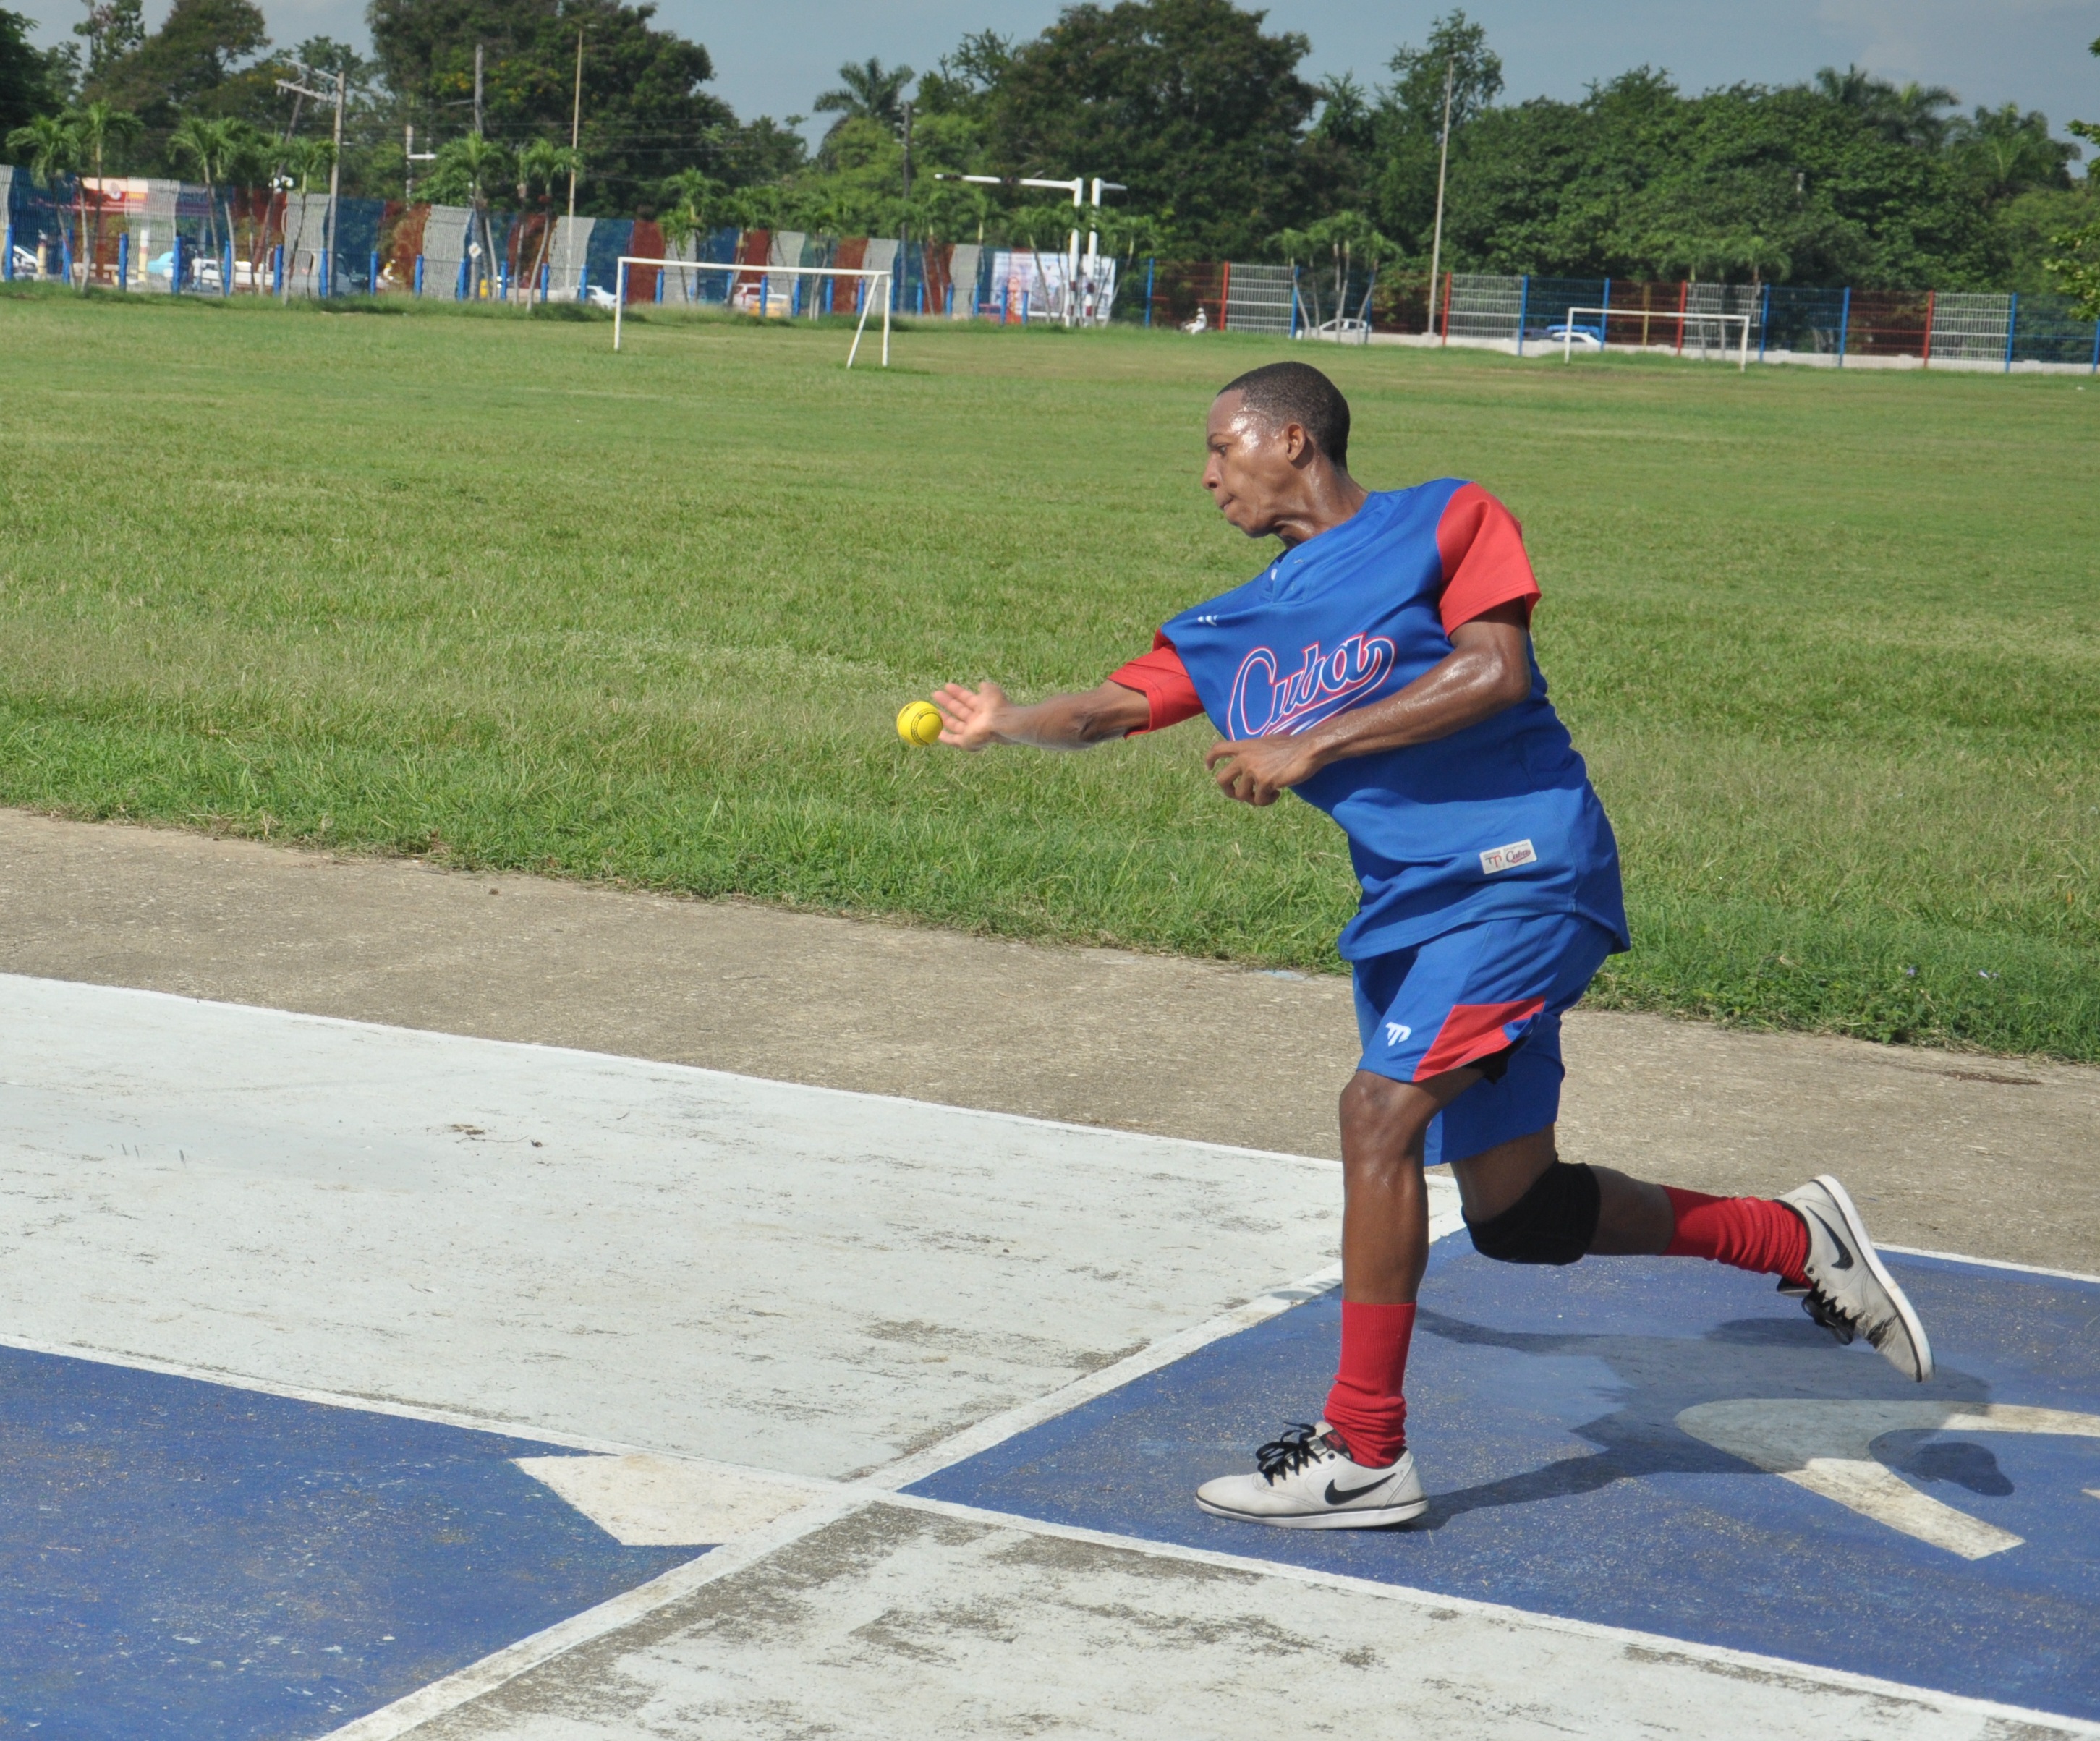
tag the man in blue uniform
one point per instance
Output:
(1381, 667)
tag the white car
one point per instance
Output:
(1574, 337)
(1341, 331)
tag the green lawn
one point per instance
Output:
(472, 586)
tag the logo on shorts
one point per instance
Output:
(1507, 857)
(1395, 1032)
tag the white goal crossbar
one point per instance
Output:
(878, 287)
(1683, 316)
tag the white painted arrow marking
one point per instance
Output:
(646, 1501)
(1827, 1448)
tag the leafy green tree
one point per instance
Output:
(212, 144)
(1405, 127)
(1905, 115)
(645, 115)
(112, 30)
(466, 168)
(1190, 103)
(204, 60)
(2074, 256)
(869, 91)
(33, 82)
(963, 83)
(2007, 153)
(49, 147)
(101, 129)
(542, 164)
(693, 203)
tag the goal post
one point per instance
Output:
(876, 277)
(1568, 326)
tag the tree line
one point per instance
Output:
(1226, 148)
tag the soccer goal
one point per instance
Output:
(752, 287)
(1572, 330)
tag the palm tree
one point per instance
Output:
(309, 160)
(478, 160)
(541, 163)
(52, 145)
(253, 160)
(100, 126)
(212, 145)
(867, 92)
(1908, 115)
(693, 202)
(1912, 114)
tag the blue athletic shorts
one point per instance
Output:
(1467, 995)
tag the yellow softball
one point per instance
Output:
(919, 722)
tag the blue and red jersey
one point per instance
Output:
(1496, 820)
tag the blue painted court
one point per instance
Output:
(182, 1558)
(1545, 1405)
(771, 1308)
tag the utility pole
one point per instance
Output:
(904, 229)
(335, 169)
(335, 182)
(1443, 161)
(576, 123)
(477, 87)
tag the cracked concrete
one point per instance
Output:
(1996, 1157)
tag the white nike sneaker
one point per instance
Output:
(1307, 1480)
(1849, 1293)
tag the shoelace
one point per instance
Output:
(1299, 1444)
(1825, 1312)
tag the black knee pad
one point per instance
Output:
(1552, 1222)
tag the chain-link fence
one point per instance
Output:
(151, 235)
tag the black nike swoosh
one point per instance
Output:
(1336, 1495)
(1844, 1252)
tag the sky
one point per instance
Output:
(774, 59)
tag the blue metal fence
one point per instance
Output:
(1789, 319)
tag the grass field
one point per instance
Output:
(473, 587)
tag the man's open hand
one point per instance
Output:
(969, 717)
(1260, 770)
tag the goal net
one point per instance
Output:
(769, 291)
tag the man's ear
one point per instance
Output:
(1297, 445)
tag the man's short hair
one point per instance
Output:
(1282, 392)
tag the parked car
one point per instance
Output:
(1341, 331)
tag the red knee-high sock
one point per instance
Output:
(1752, 1233)
(1365, 1406)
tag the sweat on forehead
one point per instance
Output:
(1280, 393)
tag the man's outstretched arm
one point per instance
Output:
(974, 719)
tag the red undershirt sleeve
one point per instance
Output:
(1484, 564)
(1161, 677)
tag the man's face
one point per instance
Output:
(1255, 469)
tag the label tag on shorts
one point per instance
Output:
(1507, 857)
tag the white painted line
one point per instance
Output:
(1657, 1642)
(383, 1405)
(1996, 1263)
(645, 1500)
(997, 1428)
(465, 1685)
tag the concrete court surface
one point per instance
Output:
(363, 1381)
(1995, 1157)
